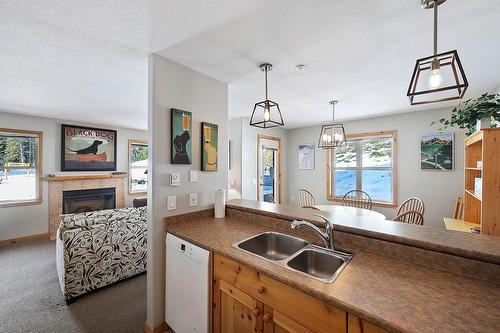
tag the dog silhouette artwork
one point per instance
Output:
(92, 149)
(181, 154)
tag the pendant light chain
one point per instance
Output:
(435, 27)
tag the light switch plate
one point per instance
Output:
(193, 199)
(175, 179)
(171, 202)
(193, 176)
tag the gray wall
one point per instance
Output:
(438, 189)
(34, 219)
(173, 85)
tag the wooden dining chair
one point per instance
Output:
(270, 199)
(411, 217)
(412, 204)
(312, 207)
(303, 198)
(358, 199)
(458, 212)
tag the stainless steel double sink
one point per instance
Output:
(297, 254)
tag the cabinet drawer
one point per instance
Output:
(306, 310)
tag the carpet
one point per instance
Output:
(31, 299)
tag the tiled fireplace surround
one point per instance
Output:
(58, 184)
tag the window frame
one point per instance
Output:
(364, 136)
(38, 168)
(130, 143)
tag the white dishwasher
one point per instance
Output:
(187, 286)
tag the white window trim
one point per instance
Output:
(130, 143)
(330, 181)
(38, 168)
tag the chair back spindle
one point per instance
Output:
(357, 198)
(303, 198)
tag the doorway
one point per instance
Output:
(268, 169)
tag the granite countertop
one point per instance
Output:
(395, 295)
(467, 245)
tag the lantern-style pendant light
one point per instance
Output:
(439, 77)
(332, 135)
(266, 114)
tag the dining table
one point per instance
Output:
(351, 213)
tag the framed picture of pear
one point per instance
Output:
(181, 132)
(209, 148)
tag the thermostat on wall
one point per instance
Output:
(175, 179)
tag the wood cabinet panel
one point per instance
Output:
(276, 322)
(356, 325)
(237, 311)
(310, 312)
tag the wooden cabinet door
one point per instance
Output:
(276, 322)
(234, 311)
(356, 325)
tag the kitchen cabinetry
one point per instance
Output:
(246, 301)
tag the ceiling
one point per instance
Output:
(87, 60)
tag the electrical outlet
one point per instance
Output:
(171, 202)
(193, 199)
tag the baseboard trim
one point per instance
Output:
(24, 238)
(158, 329)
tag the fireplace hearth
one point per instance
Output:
(88, 200)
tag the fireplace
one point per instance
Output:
(79, 201)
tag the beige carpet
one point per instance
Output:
(31, 299)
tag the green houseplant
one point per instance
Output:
(467, 114)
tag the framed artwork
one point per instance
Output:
(437, 152)
(87, 149)
(306, 156)
(181, 141)
(209, 148)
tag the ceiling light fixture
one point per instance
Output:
(439, 77)
(332, 135)
(266, 114)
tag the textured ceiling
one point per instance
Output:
(87, 60)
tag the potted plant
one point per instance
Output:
(473, 112)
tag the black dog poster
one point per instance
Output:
(87, 149)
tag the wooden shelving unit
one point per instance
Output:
(484, 209)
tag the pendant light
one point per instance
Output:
(266, 114)
(439, 77)
(332, 135)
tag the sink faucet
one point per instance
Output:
(326, 236)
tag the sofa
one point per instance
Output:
(96, 249)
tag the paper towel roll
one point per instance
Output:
(220, 203)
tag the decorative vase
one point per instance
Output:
(483, 123)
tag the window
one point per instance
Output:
(138, 166)
(20, 167)
(366, 162)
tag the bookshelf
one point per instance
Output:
(483, 208)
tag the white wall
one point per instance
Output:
(234, 174)
(438, 189)
(249, 158)
(173, 85)
(33, 219)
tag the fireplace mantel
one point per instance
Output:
(58, 184)
(82, 177)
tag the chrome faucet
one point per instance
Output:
(326, 236)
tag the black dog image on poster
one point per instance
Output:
(92, 149)
(181, 155)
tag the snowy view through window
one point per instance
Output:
(364, 165)
(18, 178)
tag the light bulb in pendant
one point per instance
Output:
(435, 80)
(325, 138)
(267, 115)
